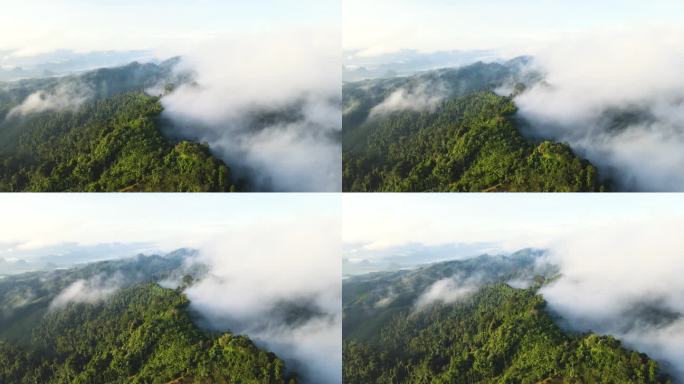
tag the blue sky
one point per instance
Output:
(82, 25)
(167, 221)
(384, 221)
(383, 26)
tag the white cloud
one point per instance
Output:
(447, 291)
(66, 97)
(419, 98)
(296, 74)
(254, 270)
(591, 77)
(89, 291)
(608, 275)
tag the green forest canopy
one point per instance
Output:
(142, 334)
(497, 334)
(469, 141)
(113, 141)
(468, 144)
(114, 144)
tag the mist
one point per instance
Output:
(617, 99)
(624, 280)
(449, 290)
(65, 97)
(284, 293)
(267, 105)
(91, 291)
(422, 97)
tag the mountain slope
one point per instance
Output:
(99, 132)
(25, 298)
(109, 322)
(109, 145)
(492, 333)
(142, 334)
(465, 138)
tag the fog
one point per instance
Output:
(624, 280)
(91, 291)
(268, 105)
(449, 290)
(66, 96)
(423, 97)
(281, 286)
(617, 99)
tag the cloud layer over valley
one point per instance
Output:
(268, 266)
(617, 99)
(624, 280)
(284, 293)
(268, 105)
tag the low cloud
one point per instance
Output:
(422, 97)
(267, 105)
(625, 281)
(520, 283)
(448, 290)
(65, 97)
(89, 291)
(17, 298)
(617, 99)
(285, 293)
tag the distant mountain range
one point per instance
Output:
(361, 65)
(17, 65)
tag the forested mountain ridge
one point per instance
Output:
(447, 130)
(142, 334)
(98, 84)
(110, 322)
(490, 333)
(113, 144)
(359, 98)
(25, 298)
(99, 131)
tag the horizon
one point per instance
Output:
(72, 226)
(507, 26)
(81, 26)
(374, 228)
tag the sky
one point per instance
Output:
(375, 223)
(164, 221)
(29, 27)
(513, 26)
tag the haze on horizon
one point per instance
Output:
(509, 27)
(34, 27)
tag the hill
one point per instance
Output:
(464, 322)
(121, 327)
(447, 130)
(100, 131)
